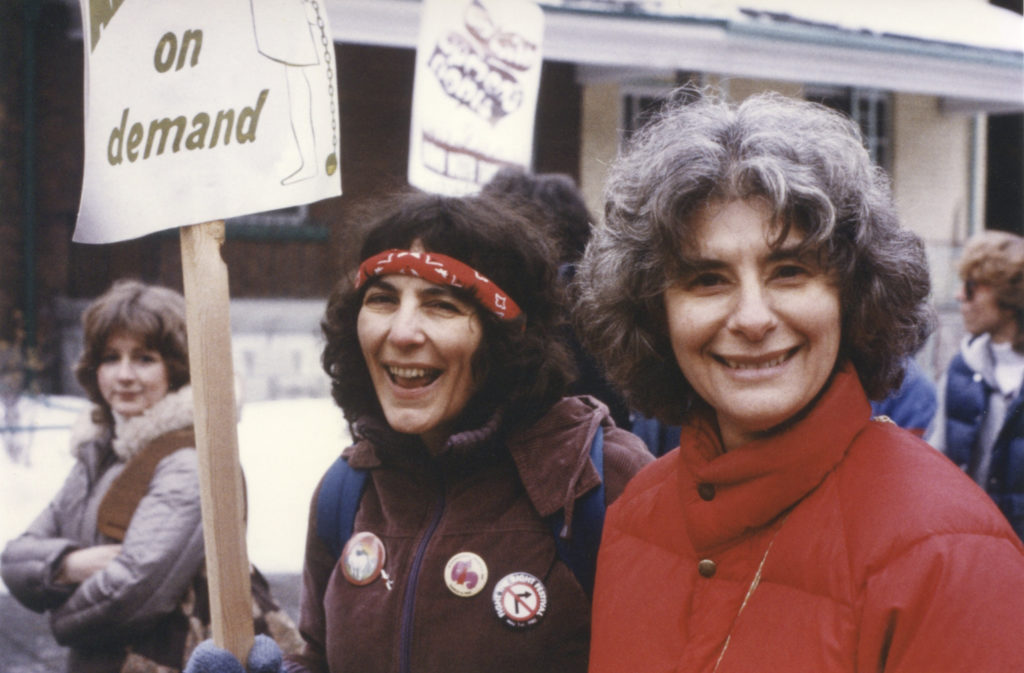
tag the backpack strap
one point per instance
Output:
(128, 488)
(336, 504)
(580, 551)
(342, 488)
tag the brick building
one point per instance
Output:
(941, 110)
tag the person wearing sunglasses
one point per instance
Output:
(980, 421)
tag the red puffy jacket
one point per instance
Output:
(872, 552)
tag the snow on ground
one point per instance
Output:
(284, 447)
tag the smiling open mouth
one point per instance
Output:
(412, 377)
(766, 364)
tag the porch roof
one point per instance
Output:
(969, 54)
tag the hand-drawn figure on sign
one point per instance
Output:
(298, 57)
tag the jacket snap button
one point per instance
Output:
(706, 491)
(707, 568)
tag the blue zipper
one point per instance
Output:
(409, 601)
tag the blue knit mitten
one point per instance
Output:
(264, 657)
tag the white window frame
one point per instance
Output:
(292, 216)
(871, 109)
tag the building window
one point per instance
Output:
(637, 109)
(869, 108)
(642, 101)
(282, 217)
(282, 224)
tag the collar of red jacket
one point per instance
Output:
(756, 482)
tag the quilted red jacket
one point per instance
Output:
(873, 552)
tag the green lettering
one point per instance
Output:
(117, 137)
(197, 139)
(252, 116)
(206, 131)
(164, 127)
(100, 14)
(228, 118)
(163, 55)
(194, 38)
(134, 139)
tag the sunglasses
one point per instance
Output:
(969, 287)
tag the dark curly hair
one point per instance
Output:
(154, 314)
(523, 368)
(562, 205)
(808, 165)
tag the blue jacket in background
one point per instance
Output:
(913, 405)
(966, 393)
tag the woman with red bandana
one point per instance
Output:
(445, 352)
(752, 283)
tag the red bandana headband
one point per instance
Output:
(441, 270)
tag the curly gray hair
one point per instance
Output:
(808, 165)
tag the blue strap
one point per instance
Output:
(336, 505)
(580, 551)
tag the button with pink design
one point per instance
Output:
(465, 574)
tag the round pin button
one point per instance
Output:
(465, 574)
(362, 559)
(520, 600)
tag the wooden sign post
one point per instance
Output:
(220, 477)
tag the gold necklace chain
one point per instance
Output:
(750, 592)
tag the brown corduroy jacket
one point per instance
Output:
(487, 498)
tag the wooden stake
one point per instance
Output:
(220, 474)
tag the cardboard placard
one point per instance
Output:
(477, 77)
(197, 111)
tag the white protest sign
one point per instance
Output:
(197, 111)
(478, 68)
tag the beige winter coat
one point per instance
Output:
(127, 603)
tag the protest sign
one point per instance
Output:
(478, 66)
(197, 111)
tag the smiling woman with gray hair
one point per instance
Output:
(751, 281)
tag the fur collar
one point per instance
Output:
(173, 412)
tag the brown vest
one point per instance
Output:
(128, 488)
